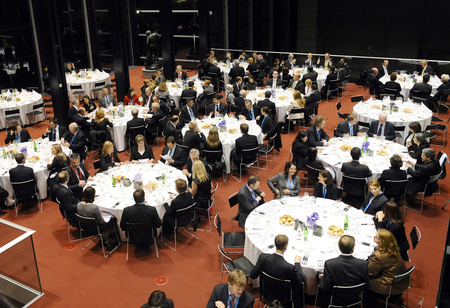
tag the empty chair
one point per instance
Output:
(265, 149)
(77, 91)
(341, 116)
(97, 89)
(229, 265)
(37, 110)
(233, 200)
(356, 99)
(229, 239)
(414, 236)
(12, 116)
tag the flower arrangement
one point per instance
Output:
(24, 151)
(184, 84)
(138, 177)
(272, 91)
(121, 112)
(392, 104)
(365, 146)
(311, 220)
(222, 123)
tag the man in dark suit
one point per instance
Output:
(106, 99)
(349, 127)
(162, 105)
(78, 176)
(262, 66)
(427, 69)
(140, 213)
(66, 198)
(355, 193)
(244, 142)
(232, 294)
(82, 120)
(384, 69)
(194, 155)
(189, 92)
(249, 198)
(375, 84)
(421, 89)
(158, 300)
(170, 129)
(194, 138)
(249, 112)
(267, 102)
(189, 112)
(309, 61)
(73, 111)
(317, 137)
(344, 270)
(55, 131)
(17, 133)
(310, 75)
(326, 62)
(147, 98)
(236, 70)
(22, 173)
(382, 128)
(179, 73)
(217, 109)
(237, 85)
(240, 100)
(295, 83)
(133, 123)
(330, 82)
(311, 102)
(276, 266)
(275, 81)
(177, 155)
(434, 98)
(181, 201)
(152, 122)
(290, 62)
(75, 140)
(266, 123)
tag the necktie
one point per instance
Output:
(423, 71)
(232, 300)
(18, 137)
(192, 114)
(318, 134)
(217, 108)
(171, 152)
(54, 136)
(107, 100)
(251, 114)
(179, 75)
(380, 130)
(294, 84)
(351, 130)
(72, 139)
(81, 174)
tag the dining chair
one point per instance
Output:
(347, 291)
(230, 265)
(37, 110)
(190, 213)
(398, 279)
(414, 237)
(141, 226)
(232, 201)
(433, 179)
(30, 185)
(229, 239)
(276, 285)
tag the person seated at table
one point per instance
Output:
(267, 102)
(385, 263)
(177, 155)
(285, 184)
(147, 97)
(69, 67)
(311, 74)
(194, 155)
(159, 77)
(189, 112)
(377, 87)
(194, 138)
(181, 201)
(325, 188)
(262, 66)
(309, 61)
(420, 174)
(88, 104)
(316, 135)
(82, 120)
(217, 108)
(285, 77)
(349, 127)
(375, 199)
(151, 122)
(101, 123)
(311, 102)
(391, 219)
(22, 173)
(392, 86)
(414, 128)
(78, 176)
(300, 150)
(295, 83)
(394, 173)
(131, 98)
(87, 208)
(106, 99)
(311, 158)
(189, 92)
(109, 157)
(60, 161)
(170, 129)
(158, 300)
(54, 131)
(177, 112)
(276, 266)
(275, 81)
(382, 128)
(179, 73)
(249, 198)
(252, 66)
(140, 213)
(75, 140)
(266, 123)
(306, 88)
(141, 151)
(426, 69)
(243, 56)
(66, 198)
(236, 70)
(237, 86)
(249, 112)
(250, 85)
(213, 141)
(146, 84)
(421, 89)
(17, 133)
(73, 110)
(201, 185)
(421, 143)
(344, 270)
(298, 102)
(240, 100)
(245, 142)
(434, 98)
(330, 84)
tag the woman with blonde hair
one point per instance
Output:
(101, 123)
(213, 141)
(375, 199)
(298, 102)
(385, 263)
(141, 151)
(201, 185)
(307, 88)
(163, 93)
(109, 157)
(59, 162)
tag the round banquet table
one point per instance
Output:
(88, 82)
(225, 69)
(39, 167)
(332, 156)
(368, 111)
(175, 89)
(115, 199)
(227, 138)
(24, 101)
(406, 83)
(321, 75)
(282, 99)
(263, 225)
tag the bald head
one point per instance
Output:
(73, 127)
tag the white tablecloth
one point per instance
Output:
(176, 88)
(25, 104)
(406, 83)
(226, 67)
(321, 77)
(39, 167)
(333, 156)
(368, 111)
(263, 225)
(107, 196)
(281, 98)
(86, 82)
(228, 139)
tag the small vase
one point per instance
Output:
(137, 185)
(391, 110)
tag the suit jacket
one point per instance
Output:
(311, 101)
(239, 101)
(429, 70)
(247, 203)
(220, 293)
(171, 130)
(392, 85)
(61, 131)
(378, 86)
(140, 213)
(381, 71)
(78, 144)
(189, 92)
(422, 87)
(313, 137)
(236, 89)
(444, 86)
(194, 140)
(298, 85)
(245, 142)
(389, 130)
(300, 152)
(181, 201)
(278, 82)
(267, 126)
(246, 113)
(310, 75)
(267, 102)
(152, 123)
(67, 202)
(22, 173)
(309, 62)
(134, 122)
(343, 129)
(276, 266)
(83, 123)
(107, 161)
(344, 270)
(280, 182)
(24, 136)
(179, 157)
(417, 152)
(222, 109)
(394, 174)
(184, 76)
(420, 176)
(356, 170)
(322, 62)
(185, 116)
(147, 101)
(74, 180)
(148, 153)
(331, 193)
(102, 100)
(377, 203)
(236, 71)
(72, 112)
(262, 66)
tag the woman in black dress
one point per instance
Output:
(201, 185)
(421, 143)
(300, 150)
(109, 157)
(101, 123)
(141, 151)
(88, 104)
(59, 162)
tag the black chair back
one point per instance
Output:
(276, 286)
(233, 200)
(134, 131)
(357, 98)
(358, 185)
(212, 156)
(415, 236)
(96, 164)
(249, 156)
(188, 212)
(313, 174)
(393, 189)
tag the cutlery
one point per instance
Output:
(115, 205)
(319, 263)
